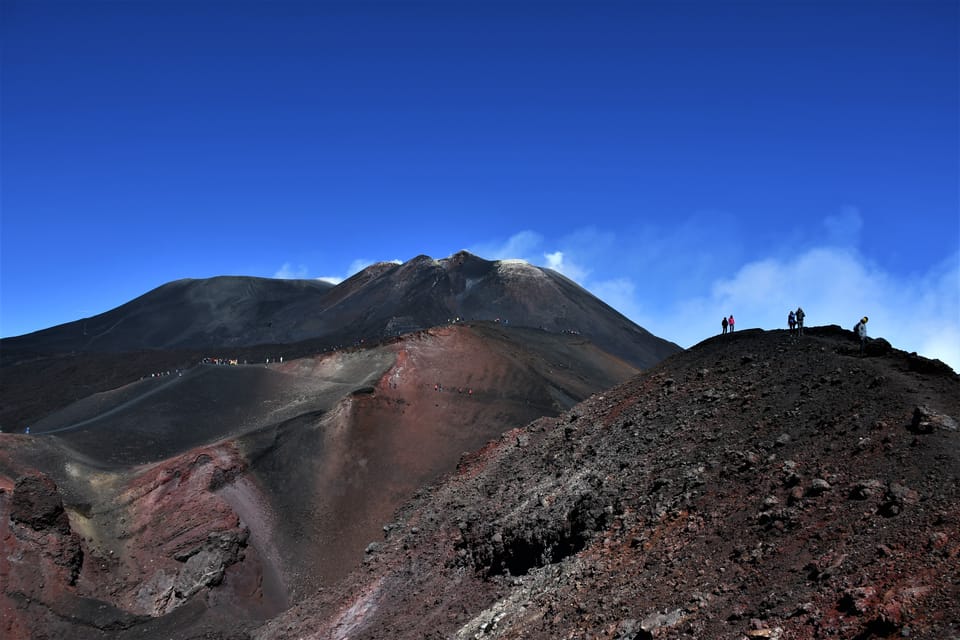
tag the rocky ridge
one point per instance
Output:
(754, 486)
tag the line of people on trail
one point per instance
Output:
(467, 390)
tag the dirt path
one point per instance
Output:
(192, 373)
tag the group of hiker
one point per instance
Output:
(728, 323)
(795, 323)
(467, 390)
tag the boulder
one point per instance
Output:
(926, 420)
(37, 504)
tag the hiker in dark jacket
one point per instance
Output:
(724, 324)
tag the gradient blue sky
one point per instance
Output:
(682, 160)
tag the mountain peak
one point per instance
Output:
(382, 301)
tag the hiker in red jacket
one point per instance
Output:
(730, 323)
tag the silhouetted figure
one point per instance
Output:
(862, 332)
(730, 322)
(792, 321)
(724, 324)
(800, 317)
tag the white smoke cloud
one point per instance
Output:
(355, 267)
(558, 262)
(619, 293)
(520, 246)
(528, 246)
(289, 272)
(358, 265)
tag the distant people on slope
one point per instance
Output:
(723, 324)
(730, 322)
(800, 316)
(861, 330)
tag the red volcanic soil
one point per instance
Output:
(756, 486)
(200, 503)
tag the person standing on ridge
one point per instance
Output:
(724, 325)
(730, 323)
(862, 332)
(800, 315)
(791, 321)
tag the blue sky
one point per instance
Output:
(682, 160)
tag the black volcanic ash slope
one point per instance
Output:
(213, 312)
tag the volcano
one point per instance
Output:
(382, 301)
(507, 472)
(256, 319)
(218, 450)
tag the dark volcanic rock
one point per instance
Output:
(37, 504)
(42, 557)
